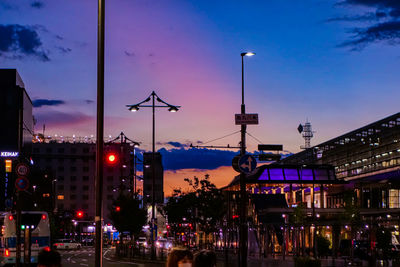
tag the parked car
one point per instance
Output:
(66, 244)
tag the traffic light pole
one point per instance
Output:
(99, 134)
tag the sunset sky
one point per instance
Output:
(334, 63)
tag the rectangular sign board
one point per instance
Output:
(270, 147)
(246, 119)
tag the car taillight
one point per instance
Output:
(44, 217)
(7, 253)
(47, 249)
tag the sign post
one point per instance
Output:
(244, 119)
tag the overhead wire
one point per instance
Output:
(220, 138)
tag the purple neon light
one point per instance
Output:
(264, 175)
(306, 174)
(291, 174)
(276, 174)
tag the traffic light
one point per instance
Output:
(117, 208)
(111, 158)
(79, 214)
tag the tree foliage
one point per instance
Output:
(203, 205)
(127, 216)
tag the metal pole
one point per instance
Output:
(243, 197)
(18, 231)
(153, 248)
(100, 134)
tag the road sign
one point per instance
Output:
(21, 184)
(270, 147)
(235, 163)
(22, 169)
(247, 164)
(246, 119)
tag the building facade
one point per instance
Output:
(16, 131)
(73, 166)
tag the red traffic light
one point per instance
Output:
(117, 208)
(79, 214)
(111, 158)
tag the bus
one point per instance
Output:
(34, 225)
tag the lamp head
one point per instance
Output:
(134, 108)
(173, 109)
(247, 54)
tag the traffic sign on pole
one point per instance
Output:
(247, 164)
(21, 184)
(244, 119)
(22, 169)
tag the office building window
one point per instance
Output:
(60, 168)
(60, 150)
(109, 197)
(73, 206)
(73, 150)
(48, 150)
(86, 150)
(60, 197)
(73, 178)
(110, 178)
(73, 197)
(394, 196)
(73, 187)
(73, 168)
(85, 178)
(60, 178)
(85, 188)
(60, 206)
(60, 160)
(60, 187)
(85, 206)
(85, 197)
(85, 169)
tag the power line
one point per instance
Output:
(221, 137)
(258, 140)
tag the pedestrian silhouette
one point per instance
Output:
(205, 258)
(180, 257)
(49, 258)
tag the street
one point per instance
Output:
(85, 257)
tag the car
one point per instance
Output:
(66, 244)
(164, 243)
(142, 242)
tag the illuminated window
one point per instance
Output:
(60, 197)
(46, 195)
(394, 199)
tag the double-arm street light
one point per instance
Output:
(243, 197)
(162, 104)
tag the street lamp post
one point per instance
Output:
(153, 96)
(243, 197)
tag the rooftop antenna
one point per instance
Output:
(306, 131)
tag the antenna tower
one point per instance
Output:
(306, 131)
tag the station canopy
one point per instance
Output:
(290, 174)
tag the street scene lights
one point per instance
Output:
(172, 108)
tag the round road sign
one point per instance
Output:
(21, 183)
(247, 164)
(22, 169)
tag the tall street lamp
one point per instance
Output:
(243, 203)
(153, 96)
